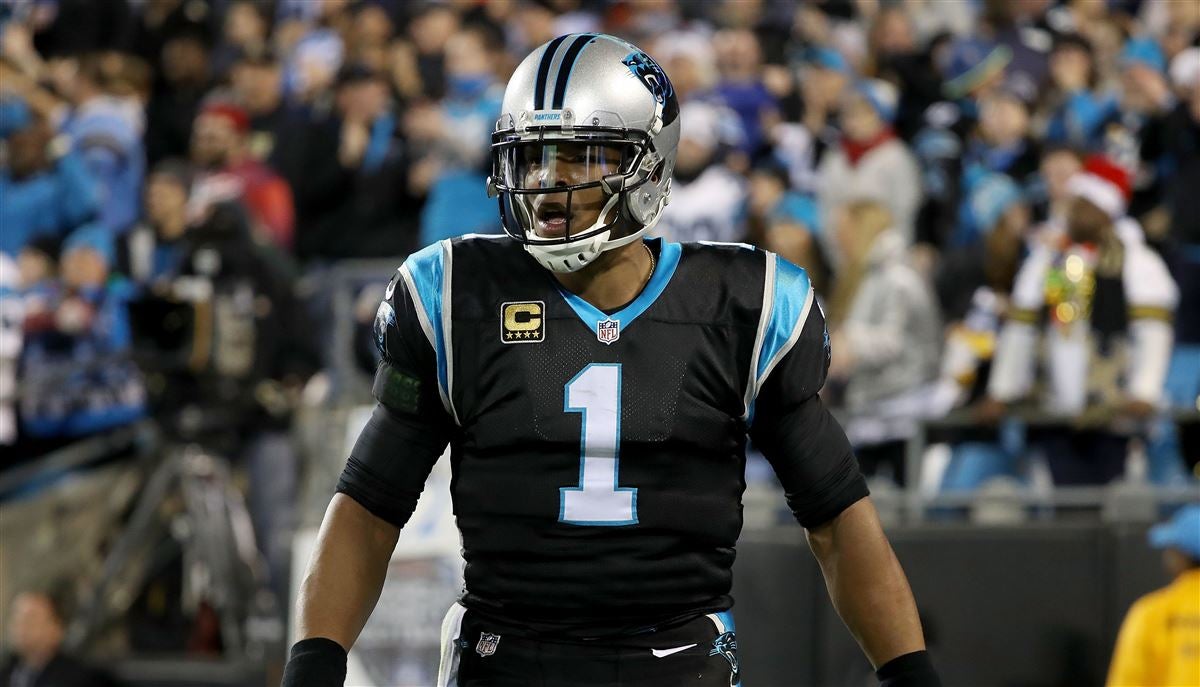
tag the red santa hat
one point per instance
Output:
(1104, 184)
(233, 113)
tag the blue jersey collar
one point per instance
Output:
(664, 269)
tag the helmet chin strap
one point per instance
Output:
(573, 256)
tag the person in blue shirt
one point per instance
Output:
(41, 193)
(1082, 110)
(457, 135)
(78, 373)
(106, 133)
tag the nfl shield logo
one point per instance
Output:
(487, 644)
(608, 331)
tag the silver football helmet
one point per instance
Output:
(589, 123)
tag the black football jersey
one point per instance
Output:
(598, 457)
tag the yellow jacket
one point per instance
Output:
(1159, 643)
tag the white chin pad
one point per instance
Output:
(574, 256)
(568, 257)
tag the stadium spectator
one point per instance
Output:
(821, 77)
(741, 87)
(1007, 24)
(885, 336)
(430, 30)
(999, 207)
(106, 126)
(824, 77)
(256, 82)
(370, 29)
(36, 632)
(1181, 142)
(871, 161)
(227, 171)
(243, 32)
(350, 174)
(786, 222)
(1078, 110)
(1049, 195)
(184, 79)
(970, 68)
(452, 139)
(1002, 145)
(153, 250)
(44, 189)
(974, 287)
(1171, 143)
(1145, 95)
(312, 63)
(896, 56)
(1107, 301)
(78, 374)
(689, 58)
(708, 199)
(1157, 643)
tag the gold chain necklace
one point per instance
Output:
(653, 262)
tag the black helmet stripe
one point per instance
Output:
(539, 88)
(564, 69)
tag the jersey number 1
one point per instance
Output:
(595, 393)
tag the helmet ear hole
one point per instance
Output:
(656, 175)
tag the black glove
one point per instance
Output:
(315, 662)
(909, 670)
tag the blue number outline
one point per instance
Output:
(562, 491)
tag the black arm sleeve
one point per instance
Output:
(410, 428)
(796, 432)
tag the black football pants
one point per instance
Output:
(701, 652)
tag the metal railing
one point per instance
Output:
(1138, 497)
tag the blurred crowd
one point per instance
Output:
(991, 197)
(975, 186)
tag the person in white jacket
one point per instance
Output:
(886, 337)
(871, 162)
(1100, 302)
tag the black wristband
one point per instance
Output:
(910, 670)
(315, 662)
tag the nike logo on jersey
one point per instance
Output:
(662, 653)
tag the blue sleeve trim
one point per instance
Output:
(425, 274)
(791, 298)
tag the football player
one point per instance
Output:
(596, 389)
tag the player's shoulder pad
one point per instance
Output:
(788, 299)
(737, 264)
(728, 258)
(419, 291)
(483, 256)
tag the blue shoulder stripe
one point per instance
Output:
(787, 299)
(426, 274)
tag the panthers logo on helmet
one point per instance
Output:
(655, 80)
